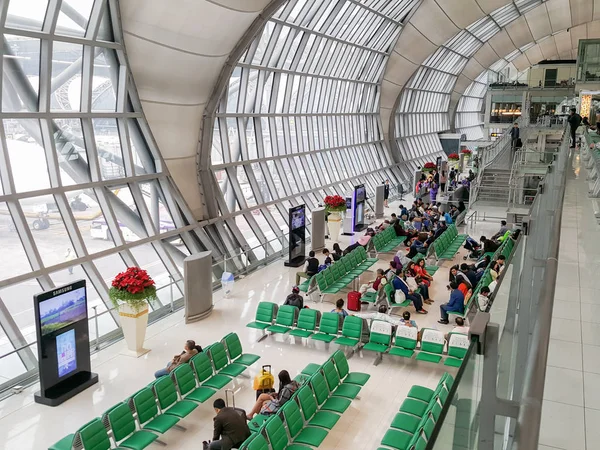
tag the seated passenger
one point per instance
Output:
(459, 277)
(483, 263)
(337, 252)
(339, 308)
(470, 273)
(268, 404)
(311, 268)
(393, 219)
(489, 246)
(189, 349)
(295, 299)
(421, 270)
(230, 429)
(373, 286)
(483, 298)
(460, 326)
(328, 261)
(422, 284)
(456, 303)
(403, 291)
(393, 270)
(498, 265)
(381, 314)
(503, 229)
(407, 322)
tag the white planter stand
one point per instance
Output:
(134, 324)
(334, 223)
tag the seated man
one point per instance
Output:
(311, 268)
(407, 322)
(483, 263)
(403, 292)
(483, 298)
(503, 229)
(489, 246)
(394, 219)
(456, 303)
(381, 314)
(295, 299)
(498, 265)
(189, 349)
(470, 273)
(230, 428)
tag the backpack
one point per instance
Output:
(322, 267)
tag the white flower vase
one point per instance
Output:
(134, 324)
(453, 164)
(334, 223)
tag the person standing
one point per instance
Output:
(515, 135)
(230, 428)
(386, 192)
(70, 256)
(574, 122)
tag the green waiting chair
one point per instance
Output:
(432, 346)
(221, 363)
(458, 344)
(325, 402)
(336, 387)
(65, 443)
(406, 342)
(235, 352)
(93, 436)
(285, 320)
(120, 420)
(144, 404)
(311, 413)
(185, 381)
(255, 442)
(265, 313)
(299, 433)
(278, 437)
(307, 323)
(341, 365)
(329, 327)
(166, 394)
(352, 329)
(380, 338)
(204, 372)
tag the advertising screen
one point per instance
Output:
(62, 310)
(297, 219)
(361, 193)
(66, 354)
(297, 223)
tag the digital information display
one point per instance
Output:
(360, 197)
(297, 236)
(65, 353)
(63, 343)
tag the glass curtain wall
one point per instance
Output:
(469, 112)
(424, 103)
(299, 119)
(83, 190)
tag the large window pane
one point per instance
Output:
(21, 80)
(14, 261)
(66, 76)
(108, 146)
(18, 299)
(70, 147)
(27, 15)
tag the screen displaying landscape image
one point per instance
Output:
(63, 310)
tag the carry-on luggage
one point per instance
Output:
(264, 382)
(354, 301)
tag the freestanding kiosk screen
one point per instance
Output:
(360, 197)
(297, 223)
(63, 343)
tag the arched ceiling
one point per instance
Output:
(176, 51)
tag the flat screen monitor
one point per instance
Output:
(66, 353)
(297, 218)
(297, 224)
(63, 310)
(361, 193)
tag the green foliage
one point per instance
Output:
(137, 301)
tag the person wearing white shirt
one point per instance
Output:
(460, 326)
(483, 298)
(381, 314)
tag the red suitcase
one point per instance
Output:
(354, 301)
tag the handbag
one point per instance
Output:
(412, 283)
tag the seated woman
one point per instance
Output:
(422, 285)
(393, 270)
(189, 349)
(422, 272)
(268, 404)
(373, 286)
(337, 252)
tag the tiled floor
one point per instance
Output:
(26, 425)
(571, 408)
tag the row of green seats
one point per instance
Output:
(309, 323)
(159, 406)
(386, 241)
(504, 249)
(404, 342)
(448, 243)
(306, 419)
(413, 425)
(343, 272)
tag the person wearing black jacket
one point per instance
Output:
(386, 192)
(312, 267)
(230, 428)
(574, 122)
(488, 245)
(515, 134)
(295, 299)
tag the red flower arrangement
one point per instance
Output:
(453, 157)
(335, 203)
(466, 151)
(428, 167)
(133, 287)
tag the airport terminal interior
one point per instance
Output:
(300, 224)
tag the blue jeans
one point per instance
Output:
(444, 311)
(162, 372)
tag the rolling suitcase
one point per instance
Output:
(354, 301)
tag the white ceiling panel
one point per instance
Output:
(462, 83)
(577, 33)
(473, 69)
(502, 43)
(433, 23)
(486, 56)
(581, 11)
(462, 13)
(490, 5)
(237, 5)
(185, 173)
(521, 62)
(413, 45)
(399, 68)
(548, 47)
(519, 33)
(534, 55)
(593, 30)
(539, 22)
(596, 9)
(389, 94)
(560, 14)
(563, 42)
